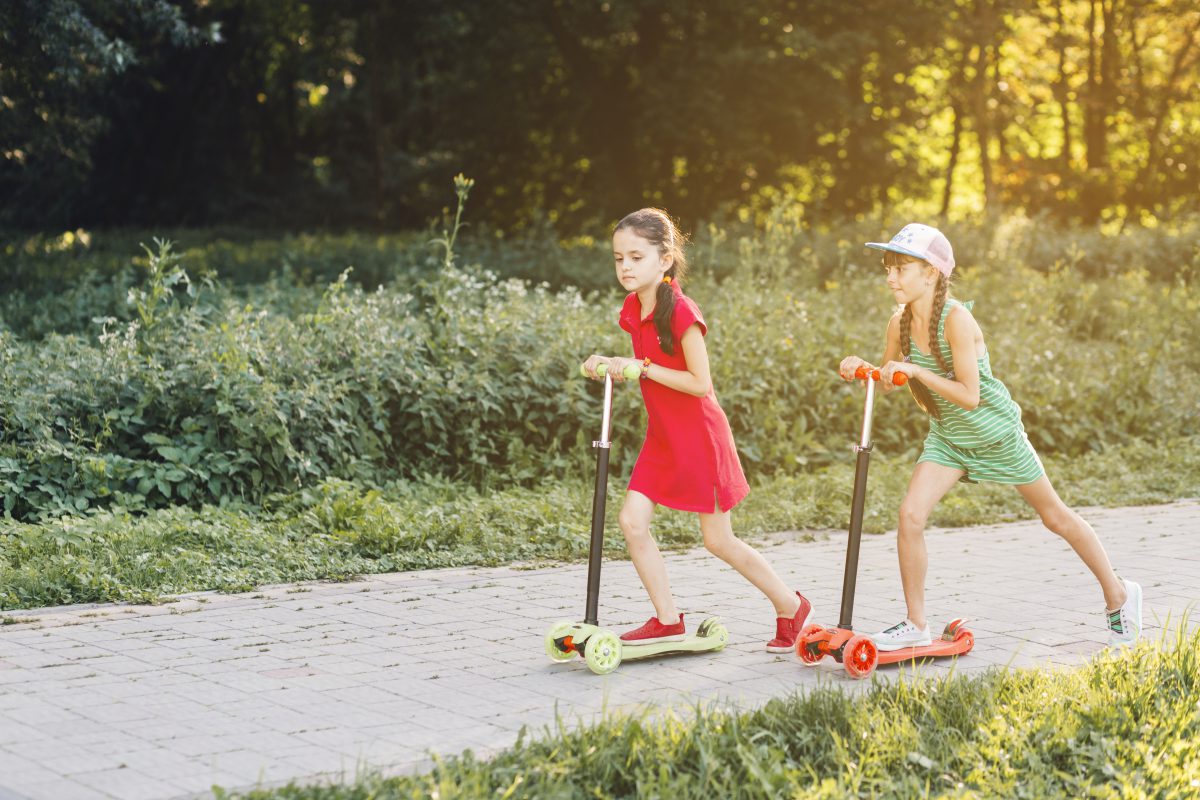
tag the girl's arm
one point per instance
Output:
(963, 390)
(694, 380)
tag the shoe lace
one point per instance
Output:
(1115, 623)
(898, 627)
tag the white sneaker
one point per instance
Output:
(902, 635)
(1125, 623)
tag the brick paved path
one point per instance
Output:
(318, 680)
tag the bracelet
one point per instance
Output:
(645, 367)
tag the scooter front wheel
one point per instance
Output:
(603, 652)
(808, 645)
(860, 656)
(557, 631)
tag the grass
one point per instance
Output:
(338, 529)
(1125, 725)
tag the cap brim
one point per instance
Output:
(895, 248)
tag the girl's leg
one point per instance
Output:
(928, 485)
(722, 543)
(1078, 533)
(634, 520)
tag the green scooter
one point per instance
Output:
(601, 648)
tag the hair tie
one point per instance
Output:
(666, 278)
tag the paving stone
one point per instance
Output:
(323, 680)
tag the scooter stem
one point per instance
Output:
(868, 413)
(857, 502)
(599, 498)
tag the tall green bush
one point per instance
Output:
(238, 392)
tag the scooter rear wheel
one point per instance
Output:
(860, 656)
(720, 634)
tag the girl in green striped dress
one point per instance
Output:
(975, 430)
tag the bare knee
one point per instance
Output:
(633, 526)
(912, 518)
(1060, 520)
(720, 544)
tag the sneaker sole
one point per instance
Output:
(891, 648)
(1138, 588)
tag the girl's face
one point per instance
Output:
(638, 261)
(910, 280)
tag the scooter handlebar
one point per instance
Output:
(632, 371)
(898, 378)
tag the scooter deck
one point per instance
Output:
(860, 655)
(937, 649)
(694, 643)
(954, 641)
(566, 638)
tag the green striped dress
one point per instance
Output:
(988, 442)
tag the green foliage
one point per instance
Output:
(246, 390)
(354, 114)
(1123, 725)
(63, 61)
(336, 528)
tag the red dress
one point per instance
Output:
(688, 461)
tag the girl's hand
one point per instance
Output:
(850, 365)
(616, 367)
(892, 367)
(593, 362)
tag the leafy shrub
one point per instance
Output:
(203, 393)
(338, 528)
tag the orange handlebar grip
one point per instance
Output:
(898, 379)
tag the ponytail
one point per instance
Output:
(664, 312)
(920, 391)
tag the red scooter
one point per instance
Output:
(856, 651)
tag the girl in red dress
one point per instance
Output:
(688, 461)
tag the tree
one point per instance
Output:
(59, 59)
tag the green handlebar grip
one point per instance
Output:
(632, 371)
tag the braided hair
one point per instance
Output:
(656, 227)
(920, 391)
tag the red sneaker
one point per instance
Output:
(654, 631)
(787, 629)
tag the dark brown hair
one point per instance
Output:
(657, 228)
(920, 391)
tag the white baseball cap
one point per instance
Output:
(924, 242)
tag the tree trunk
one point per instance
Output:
(954, 146)
(983, 126)
(374, 115)
(1062, 92)
(999, 121)
(1095, 137)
